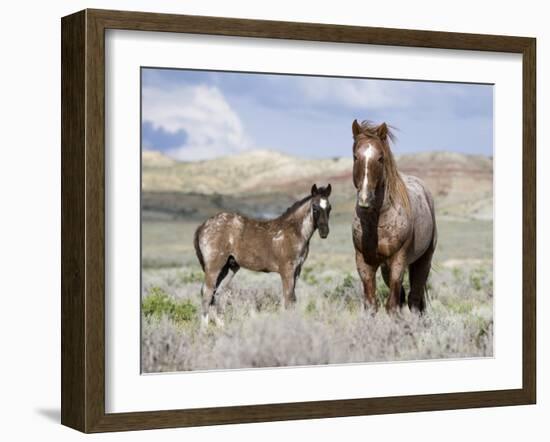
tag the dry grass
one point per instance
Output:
(327, 326)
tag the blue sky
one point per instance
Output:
(194, 115)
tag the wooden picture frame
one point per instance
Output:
(83, 220)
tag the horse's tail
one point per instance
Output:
(197, 245)
(433, 245)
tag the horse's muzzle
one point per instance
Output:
(323, 234)
(365, 202)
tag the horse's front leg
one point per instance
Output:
(288, 277)
(367, 273)
(397, 267)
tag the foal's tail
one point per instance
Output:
(197, 246)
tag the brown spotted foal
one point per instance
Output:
(228, 241)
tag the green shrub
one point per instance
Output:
(184, 311)
(341, 289)
(344, 292)
(158, 303)
(191, 276)
(311, 307)
(382, 292)
(308, 276)
(457, 273)
(479, 279)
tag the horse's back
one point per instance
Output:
(223, 221)
(228, 234)
(217, 234)
(423, 216)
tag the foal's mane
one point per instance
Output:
(396, 191)
(288, 212)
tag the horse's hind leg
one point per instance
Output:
(386, 276)
(226, 275)
(215, 283)
(222, 283)
(207, 293)
(418, 277)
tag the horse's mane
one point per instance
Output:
(295, 207)
(396, 191)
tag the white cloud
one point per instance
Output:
(213, 128)
(355, 93)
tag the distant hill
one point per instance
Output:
(462, 184)
(154, 158)
(258, 171)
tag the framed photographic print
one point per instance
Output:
(270, 220)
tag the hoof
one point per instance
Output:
(417, 307)
(204, 322)
(370, 309)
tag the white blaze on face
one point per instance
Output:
(368, 154)
(323, 203)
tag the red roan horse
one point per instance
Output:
(394, 221)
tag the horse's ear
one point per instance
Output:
(355, 128)
(314, 190)
(329, 189)
(382, 131)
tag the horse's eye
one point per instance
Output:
(381, 159)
